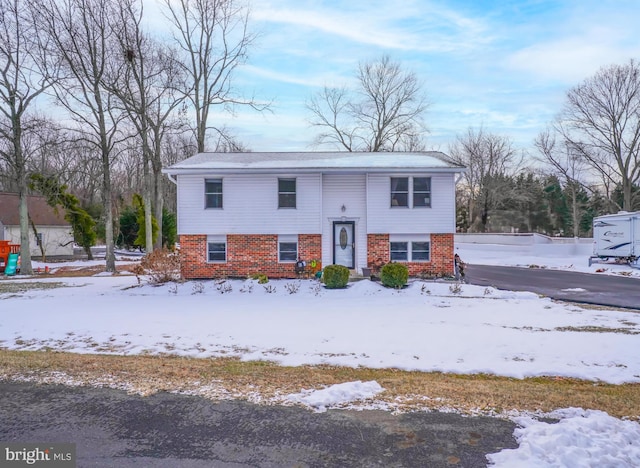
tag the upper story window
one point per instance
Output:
(399, 191)
(286, 193)
(213, 193)
(416, 189)
(422, 191)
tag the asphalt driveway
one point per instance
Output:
(114, 429)
(608, 290)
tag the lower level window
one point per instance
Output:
(410, 251)
(288, 251)
(217, 251)
(420, 251)
(399, 251)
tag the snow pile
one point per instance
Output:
(338, 394)
(580, 438)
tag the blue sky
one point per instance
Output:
(504, 65)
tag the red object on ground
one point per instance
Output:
(5, 249)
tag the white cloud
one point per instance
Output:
(416, 26)
(568, 60)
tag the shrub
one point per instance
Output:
(335, 276)
(263, 279)
(394, 275)
(162, 266)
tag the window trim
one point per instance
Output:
(414, 192)
(411, 192)
(409, 240)
(406, 251)
(221, 193)
(221, 240)
(288, 239)
(294, 193)
(428, 242)
(392, 192)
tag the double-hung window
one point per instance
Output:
(399, 191)
(409, 250)
(422, 191)
(217, 249)
(399, 251)
(287, 248)
(420, 251)
(414, 190)
(213, 193)
(286, 193)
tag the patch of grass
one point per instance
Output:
(23, 286)
(594, 329)
(405, 390)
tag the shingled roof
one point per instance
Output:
(325, 162)
(40, 212)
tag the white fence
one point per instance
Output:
(532, 244)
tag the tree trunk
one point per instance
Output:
(25, 246)
(110, 256)
(626, 191)
(159, 205)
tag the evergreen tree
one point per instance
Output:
(82, 224)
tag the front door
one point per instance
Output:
(344, 244)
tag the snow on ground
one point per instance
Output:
(337, 394)
(427, 327)
(579, 439)
(557, 257)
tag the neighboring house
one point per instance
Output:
(54, 232)
(247, 213)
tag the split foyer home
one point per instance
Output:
(245, 213)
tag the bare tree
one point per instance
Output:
(571, 169)
(23, 78)
(214, 38)
(601, 123)
(383, 114)
(146, 81)
(489, 160)
(81, 34)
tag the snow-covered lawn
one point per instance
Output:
(425, 327)
(428, 326)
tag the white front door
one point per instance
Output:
(344, 243)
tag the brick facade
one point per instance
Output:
(253, 254)
(441, 263)
(246, 255)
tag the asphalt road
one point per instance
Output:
(609, 290)
(113, 429)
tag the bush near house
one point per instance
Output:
(161, 266)
(394, 275)
(335, 276)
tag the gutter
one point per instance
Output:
(310, 170)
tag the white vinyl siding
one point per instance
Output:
(250, 205)
(349, 191)
(385, 219)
